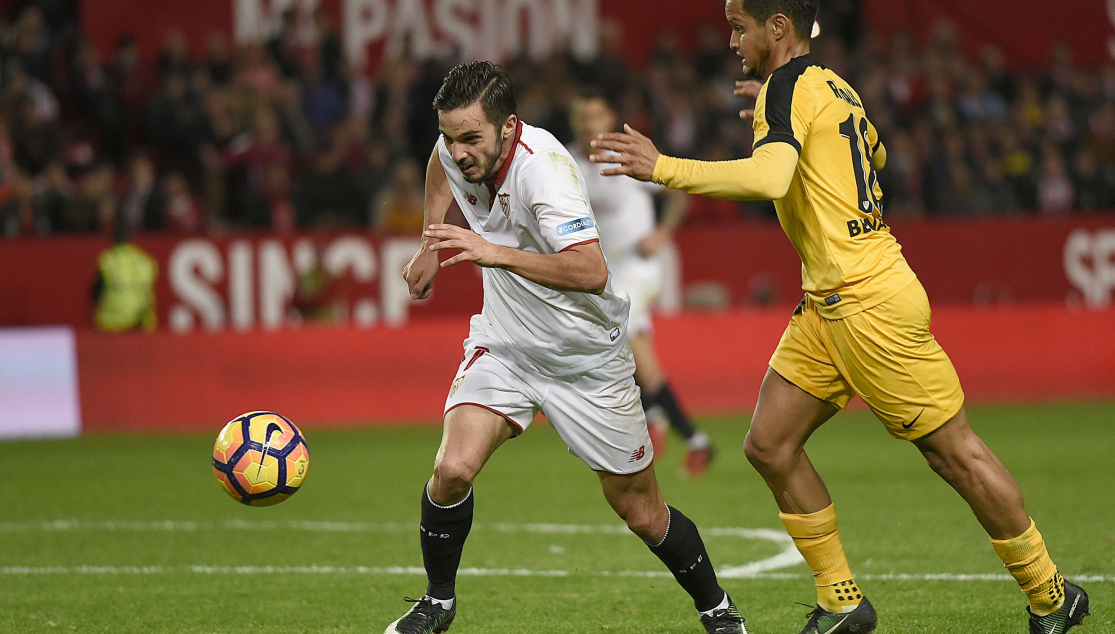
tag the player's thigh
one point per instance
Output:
(488, 403)
(896, 365)
(599, 416)
(802, 388)
(648, 373)
(785, 417)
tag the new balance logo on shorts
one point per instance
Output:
(638, 454)
(573, 226)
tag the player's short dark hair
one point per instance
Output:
(803, 13)
(474, 82)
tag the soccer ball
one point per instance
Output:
(260, 458)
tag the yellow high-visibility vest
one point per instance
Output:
(128, 298)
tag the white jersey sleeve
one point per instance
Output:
(552, 187)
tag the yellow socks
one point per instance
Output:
(1028, 561)
(818, 541)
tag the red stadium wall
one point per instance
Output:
(246, 281)
(332, 377)
(495, 29)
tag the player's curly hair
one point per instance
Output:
(482, 82)
(803, 13)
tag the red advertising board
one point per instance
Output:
(248, 281)
(373, 29)
(500, 29)
(380, 376)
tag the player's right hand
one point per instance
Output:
(420, 272)
(750, 89)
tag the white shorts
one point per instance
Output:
(640, 278)
(598, 414)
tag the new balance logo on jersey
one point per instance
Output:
(573, 226)
(472, 200)
(638, 454)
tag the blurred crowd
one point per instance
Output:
(287, 133)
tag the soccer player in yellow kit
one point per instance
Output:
(863, 327)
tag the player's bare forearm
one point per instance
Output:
(438, 196)
(420, 271)
(579, 268)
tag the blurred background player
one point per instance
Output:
(625, 216)
(863, 327)
(124, 286)
(551, 338)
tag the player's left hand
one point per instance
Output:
(473, 247)
(635, 153)
(749, 88)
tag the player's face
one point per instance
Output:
(474, 142)
(590, 118)
(750, 39)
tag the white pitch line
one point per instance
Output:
(478, 572)
(761, 569)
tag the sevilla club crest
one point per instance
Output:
(505, 203)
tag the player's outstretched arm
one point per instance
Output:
(581, 267)
(764, 176)
(420, 272)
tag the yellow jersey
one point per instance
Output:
(831, 211)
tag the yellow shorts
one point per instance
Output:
(885, 355)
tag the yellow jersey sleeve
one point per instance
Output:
(764, 176)
(784, 111)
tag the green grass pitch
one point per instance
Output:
(133, 534)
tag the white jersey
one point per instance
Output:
(624, 209)
(538, 202)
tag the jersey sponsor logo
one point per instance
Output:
(615, 333)
(505, 204)
(638, 454)
(472, 199)
(865, 225)
(573, 226)
(832, 299)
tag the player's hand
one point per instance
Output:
(653, 243)
(749, 89)
(473, 247)
(420, 272)
(635, 154)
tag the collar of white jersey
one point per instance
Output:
(497, 178)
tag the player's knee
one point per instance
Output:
(453, 475)
(765, 453)
(643, 522)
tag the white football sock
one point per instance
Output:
(446, 604)
(723, 606)
(699, 440)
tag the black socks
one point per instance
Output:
(443, 531)
(665, 399)
(684, 554)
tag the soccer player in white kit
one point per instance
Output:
(624, 209)
(551, 338)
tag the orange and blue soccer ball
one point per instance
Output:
(261, 458)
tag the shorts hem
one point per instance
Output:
(922, 433)
(505, 417)
(627, 473)
(798, 383)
